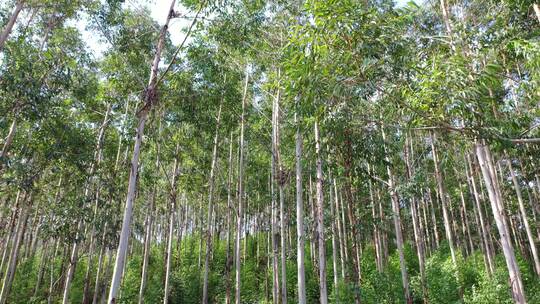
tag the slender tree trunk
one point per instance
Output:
(483, 227)
(334, 240)
(228, 261)
(490, 178)
(11, 22)
(313, 238)
(418, 236)
(168, 256)
(51, 272)
(433, 219)
(300, 218)
(210, 210)
(465, 223)
(240, 210)
(442, 196)
(376, 238)
(13, 258)
(9, 139)
(397, 224)
(279, 177)
(320, 220)
(42, 266)
(273, 217)
(523, 212)
(424, 223)
(354, 233)
(149, 100)
(147, 244)
(172, 208)
(11, 231)
(342, 248)
(99, 266)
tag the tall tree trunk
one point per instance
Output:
(444, 202)
(376, 236)
(485, 237)
(342, 248)
(240, 210)
(280, 180)
(334, 240)
(150, 99)
(228, 261)
(397, 223)
(313, 238)
(11, 22)
(425, 225)
(273, 217)
(465, 220)
(42, 266)
(14, 255)
(97, 283)
(433, 218)
(172, 208)
(418, 235)
(51, 272)
(354, 233)
(523, 212)
(320, 220)
(147, 243)
(11, 231)
(492, 185)
(210, 210)
(300, 218)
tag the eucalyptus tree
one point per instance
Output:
(150, 98)
(10, 23)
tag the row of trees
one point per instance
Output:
(285, 151)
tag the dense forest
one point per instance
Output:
(280, 151)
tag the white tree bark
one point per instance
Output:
(418, 235)
(397, 224)
(11, 22)
(525, 220)
(150, 99)
(99, 267)
(320, 220)
(334, 240)
(240, 209)
(300, 219)
(442, 196)
(210, 210)
(492, 185)
(147, 246)
(485, 237)
(279, 179)
(13, 258)
(228, 261)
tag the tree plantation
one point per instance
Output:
(278, 151)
